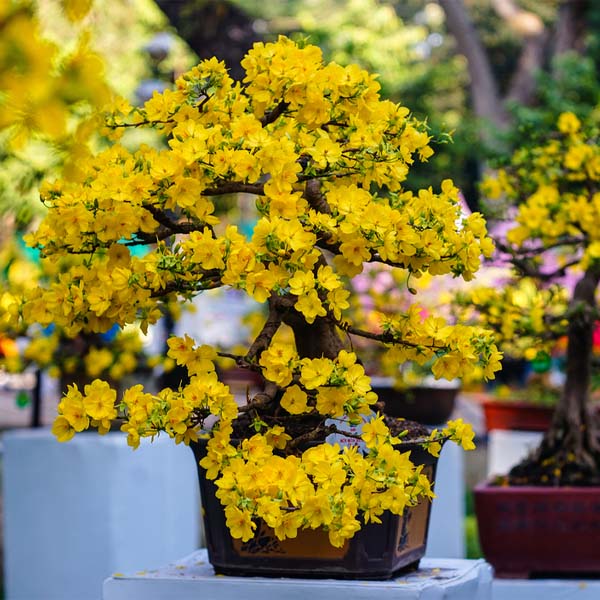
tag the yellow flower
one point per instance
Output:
(568, 123)
(315, 372)
(62, 429)
(310, 306)
(375, 432)
(181, 349)
(72, 407)
(302, 283)
(294, 400)
(99, 400)
(277, 437)
(355, 251)
(461, 433)
(239, 523)
(330, 400)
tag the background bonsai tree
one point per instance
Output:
(323, 158)
(551, 190)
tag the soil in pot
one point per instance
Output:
(377, 551)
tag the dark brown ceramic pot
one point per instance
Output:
(427, 405)
(377, 551)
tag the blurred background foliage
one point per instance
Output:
(118, 31)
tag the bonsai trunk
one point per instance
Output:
(570, 450)
(313, 340)
(316, 340)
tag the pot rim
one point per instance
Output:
(487, 487)
(493, 402)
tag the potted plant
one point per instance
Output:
(547, 504)
(323, 158)
(525, 409)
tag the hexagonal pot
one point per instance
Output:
(377, 551)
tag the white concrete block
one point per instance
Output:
(548, 589)
(192, 578)
(506, 448)
(74, 513)
(446, 536)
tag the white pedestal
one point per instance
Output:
(507, 447)
(75, 512)
(546, 589)
(446, 537)
(192, 578)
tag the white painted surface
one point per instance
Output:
(76, 512)
(507, 447)
(446, 536)
(546, 589)
(192, 578)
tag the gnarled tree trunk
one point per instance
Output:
(570, 451)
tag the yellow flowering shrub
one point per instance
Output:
(40, 83)
(554, 238)
(551, 190)
(324, 158)
(113, 354)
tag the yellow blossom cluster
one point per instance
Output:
(39, 83)
(526, 318)
(215, 125)
(324, 159)
(555, 185)
(113, 355)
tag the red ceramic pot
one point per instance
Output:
(536, 530)
(522, 416)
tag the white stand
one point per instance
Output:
(446, 537)
(507, 447)
(192, 578)
(74, 512)
(548, 589)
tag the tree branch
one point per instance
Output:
(537, 250)
(384, 337)
(523, 83)
(235, 187)
(530, 28)
(273, 115)
(263, 339)
(571, 26)
(314, 197)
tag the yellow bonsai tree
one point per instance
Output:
(552, 188)
(324, 159)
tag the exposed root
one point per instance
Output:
(568, 456)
